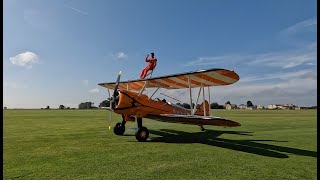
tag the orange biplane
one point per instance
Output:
(129, 101)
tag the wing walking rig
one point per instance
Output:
(129, 101)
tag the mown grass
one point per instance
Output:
(76, 144)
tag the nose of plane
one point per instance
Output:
(124, 101)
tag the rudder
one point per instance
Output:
(200, 111)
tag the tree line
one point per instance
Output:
(106, 103)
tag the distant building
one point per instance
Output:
(290, 106)
(231, 106)
(260, 107)
(242, 106)
(251, 107)
(282, 106)
(272, 106)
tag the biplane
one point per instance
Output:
(129, 101)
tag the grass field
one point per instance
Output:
(76, 144)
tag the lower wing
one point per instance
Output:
(193, 119)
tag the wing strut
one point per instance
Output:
(204, 104)
(191, 108)
(154, 92)
(209, 100)
(110, 113)
(145, 84)
(197, 99)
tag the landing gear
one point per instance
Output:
(120, 128)
(142, 133)
(202, 128)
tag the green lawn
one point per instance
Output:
(76, 144)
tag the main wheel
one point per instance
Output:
(119, 129)
(142, 134)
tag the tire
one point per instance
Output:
(119, 129)
(142, 134)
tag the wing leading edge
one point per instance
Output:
(194, 119)
(209, 77)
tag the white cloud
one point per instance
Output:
(75, 9)
(309, 24)
(311, 64)
(297, 87)
(120, 55)
(300, 91)
(26, 59)
(282, 59)
(95, 90)
(214, 60)
(85, 82)
(301, 74)
(285, 60)
(13, 85)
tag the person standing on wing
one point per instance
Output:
(152, 64)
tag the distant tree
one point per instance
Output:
(62, 107)
(48, 107)
(228, 102)
(5, 107)
(220, 107)
(214, 105)
(89, 105)
(105, 103)
(85, 105)
(68, 107)
(249, 104)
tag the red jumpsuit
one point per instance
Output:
(152, 64)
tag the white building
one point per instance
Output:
(272, 106)
(231, 106)
(242, 106)
(260, 107)
(281, 106)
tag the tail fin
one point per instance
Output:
(200, 111)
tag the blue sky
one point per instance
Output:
(56, 52)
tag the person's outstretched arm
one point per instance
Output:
(147, 60)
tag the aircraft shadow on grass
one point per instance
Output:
(211, 137)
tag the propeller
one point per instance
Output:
(115, 92)
(112, 99)
(110, 113)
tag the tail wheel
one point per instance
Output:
(119, 129)
(142, 134)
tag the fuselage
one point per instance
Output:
(130, 103)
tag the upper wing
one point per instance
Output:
(210, 77)
(194, 119)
